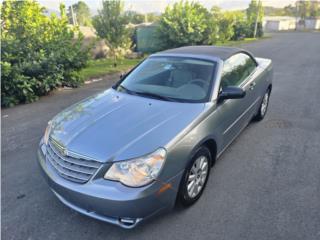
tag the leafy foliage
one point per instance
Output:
(152, 17)
(81, 12)
(38, 53)
(255, 13)
(241, 28)
(134, 17)
(189, 23)
(223, 25)
(308, 9)
(303, 9)
(184, 23)
(110, 25)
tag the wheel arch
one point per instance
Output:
(211, 144)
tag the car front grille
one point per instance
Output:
(74, 169)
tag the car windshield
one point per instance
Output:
(171, 79)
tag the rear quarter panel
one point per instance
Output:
(265, 76)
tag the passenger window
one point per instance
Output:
(236, 69)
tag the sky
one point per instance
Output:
(145, 6)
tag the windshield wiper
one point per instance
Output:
(154, 95)
(148, 94)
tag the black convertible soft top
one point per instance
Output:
(220, 52)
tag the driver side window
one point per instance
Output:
(236, 69)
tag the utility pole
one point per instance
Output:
(256, 22)
(74, 18)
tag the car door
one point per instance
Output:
(235, 114)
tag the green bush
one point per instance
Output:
(189, 23)
(38, 52)
(241, 27)
(184, 23)
(110, 25)
(225, 23)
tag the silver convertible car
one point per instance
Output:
(138, 148)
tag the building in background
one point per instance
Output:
(279, 23)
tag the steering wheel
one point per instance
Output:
(203, 83)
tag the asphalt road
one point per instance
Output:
(265, 186)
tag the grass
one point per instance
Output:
(101, 67)
(239, 42)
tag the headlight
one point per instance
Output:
(47, 134)
(137, 172)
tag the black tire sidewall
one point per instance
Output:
(183, 196)
(259, 116)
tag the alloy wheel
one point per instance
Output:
(197, 176)
(264, 104)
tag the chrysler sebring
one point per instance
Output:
(149, 142)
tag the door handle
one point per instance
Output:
(252, 85)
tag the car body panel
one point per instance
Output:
(112, 138)
(104, 200)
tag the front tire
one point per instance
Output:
(195, 177)
(262, 111)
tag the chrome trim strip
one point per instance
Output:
(71, 153)
(78, 161)
(232, 124)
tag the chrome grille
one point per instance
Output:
(74, 169)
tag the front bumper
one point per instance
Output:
(111, 201)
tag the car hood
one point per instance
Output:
(113, 126)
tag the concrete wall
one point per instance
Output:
(280, 25)
(312, 24)
(290, 23)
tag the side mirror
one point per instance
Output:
(231, 93)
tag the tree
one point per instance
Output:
(134, 17)
(255, 15)
(220, 26)
(152, 17)
(110, 25)
(255, 11)
(315, 9)
(308, 9)
(241, 28)
(214, 25)
(38, 53)
(81, 13)
(184, 23)
(227, 25)
(290, 10)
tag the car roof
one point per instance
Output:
(212, 51)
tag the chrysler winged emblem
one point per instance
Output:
(62, 150)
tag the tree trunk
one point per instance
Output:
(114, 59)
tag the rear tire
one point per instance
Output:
(262, 111)
(195, 177)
